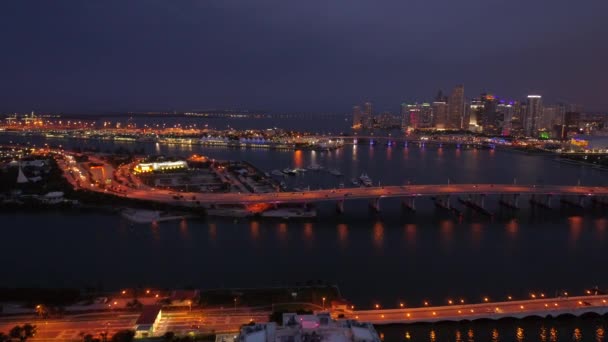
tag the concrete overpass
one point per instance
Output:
(543, 307)
(473, 193)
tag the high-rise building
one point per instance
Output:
(517, 121)
(357, 117)
(505, 112)
(475, 109)
(553, 119)
(440, 114)
(571, 123)
(368, 111)
(426, 116)
(405, 116)
(456, 108)
(414, 117)
(533, 116)
(490, 119)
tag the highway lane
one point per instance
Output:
(71, 327)
(191, 199)
(492, 310)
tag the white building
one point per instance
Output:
(161, 166)
(314, 328)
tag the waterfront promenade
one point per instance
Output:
(542, 307)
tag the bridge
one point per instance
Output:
(471, 194)
(543, 307)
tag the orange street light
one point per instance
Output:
(486, 299)
(401, 304)
(377, 306)
(426, 303)
(450, 302)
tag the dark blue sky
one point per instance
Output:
(283, 55)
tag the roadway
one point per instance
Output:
(73, 327)
(195, 199)
(542, 307)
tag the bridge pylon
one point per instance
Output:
(575, 201)
(543, 201)
(509, 201)
(476, 202)
(375, 204)
(442, 201)
(409, 203)
(601, 200)
(340, 207)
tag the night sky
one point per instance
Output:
(296, 56)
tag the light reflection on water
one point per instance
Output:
(566, 329)
(378, 232)
(343, 234)
(308, 233)
(254, 229)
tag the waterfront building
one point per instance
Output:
(357, 117)
(505, 112)
(517, 120)
(456, 108)
(426, 116)
(387, 120)
(533, 115)
(161, 166)
(413, 116)
(489, 117)
(571, 124)
(475, 109)
(368, 115)
(318, 327)
(440, 114)
(405, 116)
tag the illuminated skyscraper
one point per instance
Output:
(456, 108)
(405, 116)
(368, 115)
(357, 117)
(534, 114)
(440, 114)
(475, 114)
(426, 116)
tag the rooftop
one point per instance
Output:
(149, 315)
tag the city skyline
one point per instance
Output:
(310, 57)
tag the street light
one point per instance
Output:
(323, 303)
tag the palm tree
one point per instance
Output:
(23, 332)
